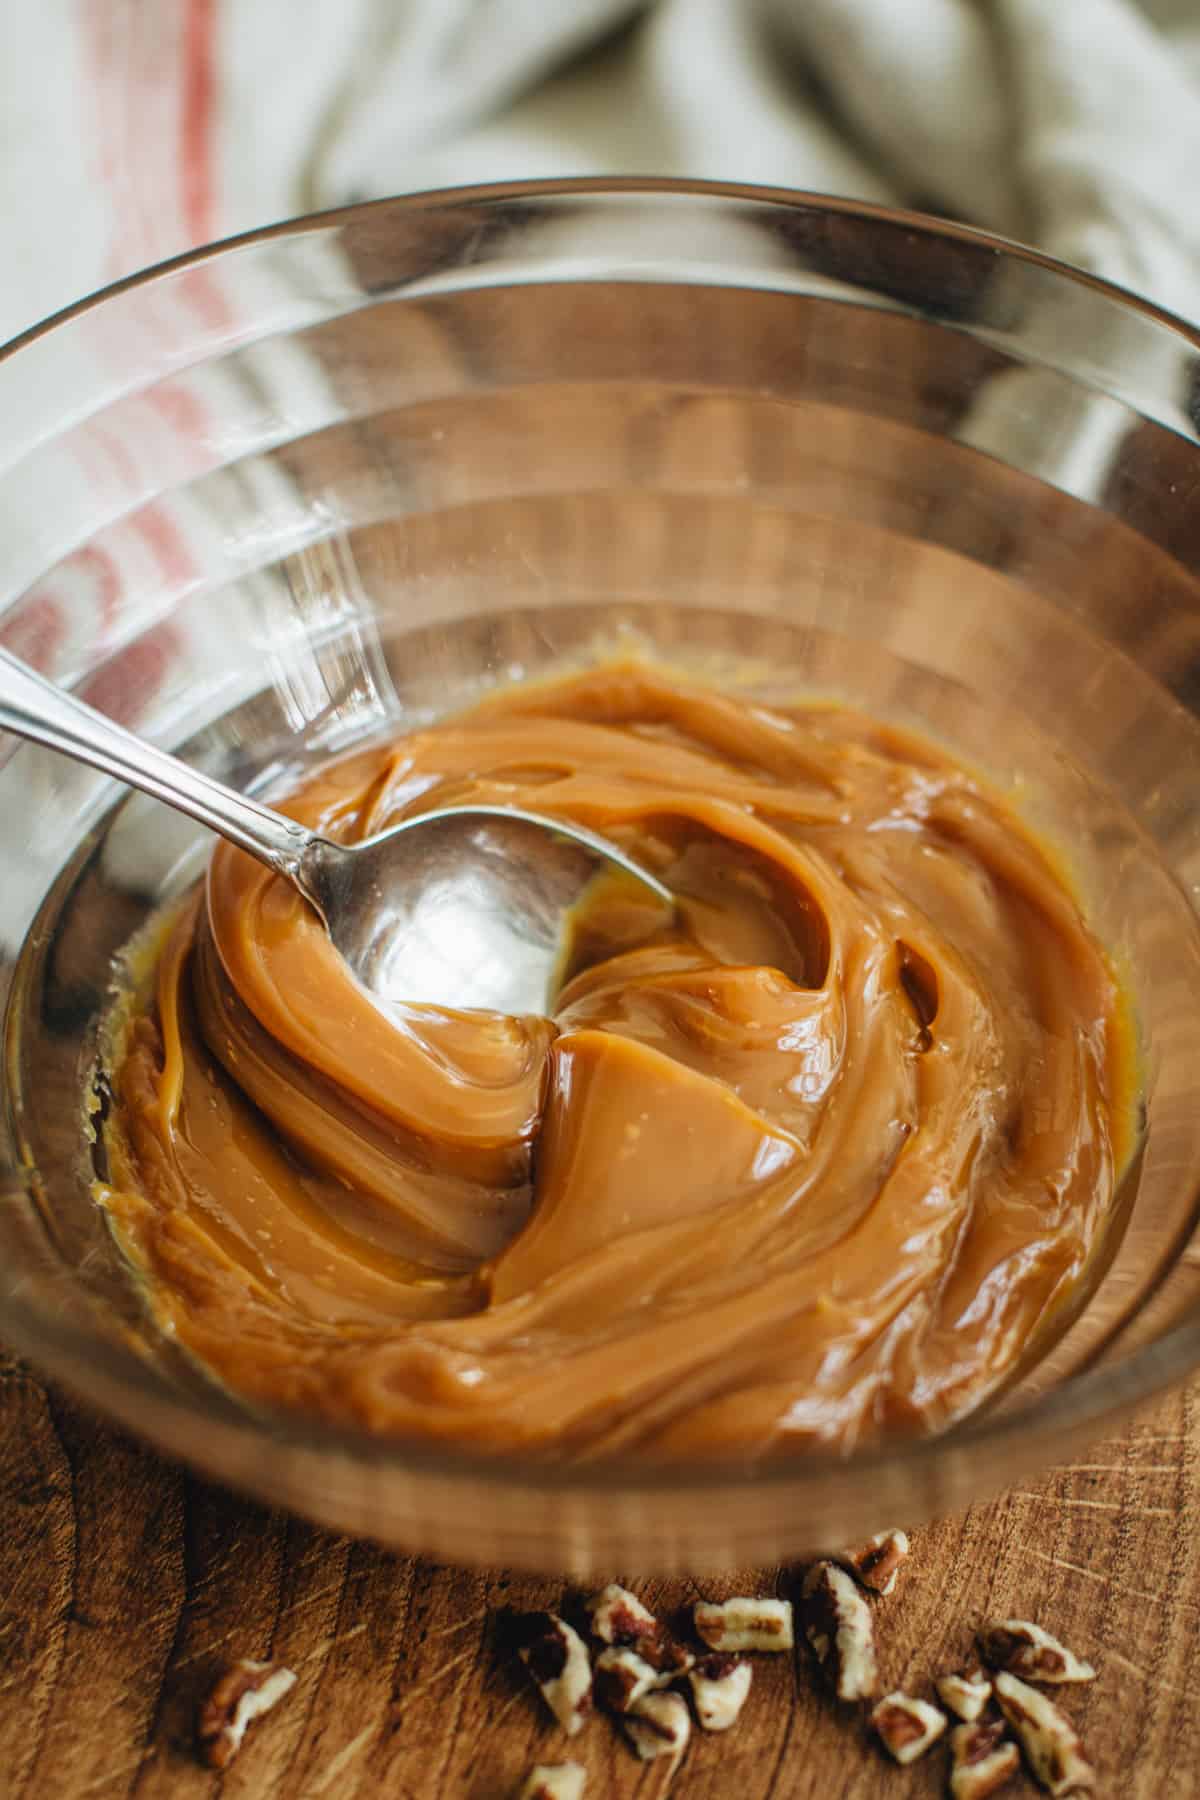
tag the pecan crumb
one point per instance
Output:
(965, 1693)
(837, 1624)
(906, 1727)
(719, 1686)
(244, 1692)
(554, 1781)
(664, 1655)
(658, 1725)
(1028, 1651)
(623, 1674)
(743, 1624)
(557, 1660)
(620, 1677)
(877, 1562)
(982, 1759)
(618, 1617)
(1051, 1743)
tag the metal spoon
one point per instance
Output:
(462, 907)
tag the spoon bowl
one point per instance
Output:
(464, 907)
(468, 907)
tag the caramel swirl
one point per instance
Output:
(822, 1157)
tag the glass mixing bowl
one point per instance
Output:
(285, 494)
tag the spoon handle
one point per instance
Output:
(34, 708)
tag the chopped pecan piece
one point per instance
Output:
(876, 1562)
(719, 1687)
(554, 1781)
(837, 1624)
(982, 1759)
(1051, 1743)
(622, 1676)
(557, 1659)
(1028, 1651)
(624, 1672)
(907, 1728)
(618, 1617)
(658, 1725)
(743, 1624)
(243, 1694)
(666, 1657)
(965, 1693)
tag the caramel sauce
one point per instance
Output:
(817, 1160)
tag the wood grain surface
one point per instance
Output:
(126, 1586)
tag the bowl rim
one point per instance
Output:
(480, 193)
(1090, 1398)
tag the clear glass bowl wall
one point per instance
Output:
(287, 494)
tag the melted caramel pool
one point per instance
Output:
(821, 1158)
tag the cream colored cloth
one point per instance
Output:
(130, 130)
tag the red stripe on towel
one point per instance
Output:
(196, 128)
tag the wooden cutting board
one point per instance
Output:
(126, 1586)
